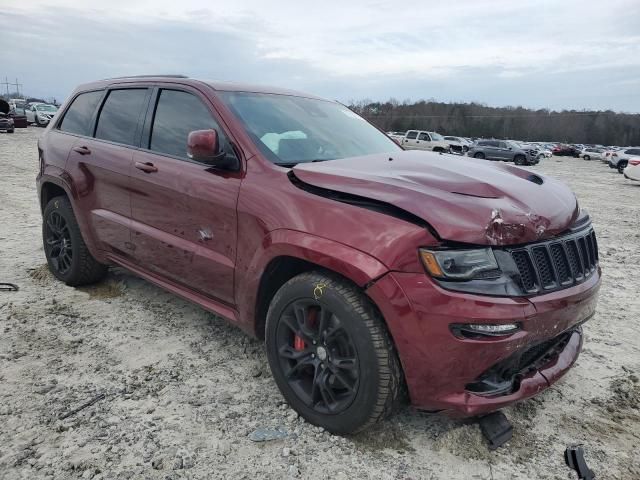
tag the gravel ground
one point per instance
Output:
(179, 392)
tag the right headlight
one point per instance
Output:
(460, 264)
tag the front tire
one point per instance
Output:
(519, 160)
(67, 255)
(330, 353)
(587, 157)
(479, 155)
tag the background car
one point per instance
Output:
(591, 153)
(620, 159)
(458, 145)
(564, 150)
(503, 150)
(632, 172)
(6, 121)
(41, 113)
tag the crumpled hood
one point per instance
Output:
(464, 199)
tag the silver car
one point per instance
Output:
(503, 150)
(40, 113)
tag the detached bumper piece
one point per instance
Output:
(496, 428)
(504, 377)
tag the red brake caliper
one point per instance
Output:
(298, 342)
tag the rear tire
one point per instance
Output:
(621, 166)
(10, 131)
(479, 155)
(587, 157)
(67, 255)
(350, 378)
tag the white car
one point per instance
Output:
(40, 113)
(632, 172)
(620, 159)
(458, 145)
(592, 153)
(421, 140)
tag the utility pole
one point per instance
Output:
(18, 85)
(6, 84)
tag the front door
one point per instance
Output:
(184, 212)
(424, 141)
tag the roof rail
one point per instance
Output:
(148, 76)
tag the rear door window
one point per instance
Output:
(120, 114)
(79, 115)
(424, 136)
(412, 135)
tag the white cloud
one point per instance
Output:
(428, 40)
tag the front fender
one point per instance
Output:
(359, 267)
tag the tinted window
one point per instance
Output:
(633, 151)
(119, 115)
(412, 135)
(424, 136)
(78, 117)
(482, 143)
(177, 114)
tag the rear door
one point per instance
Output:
(410, 140)
(503, 151)
(100, 162)
(184, 212)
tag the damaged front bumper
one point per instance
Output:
(474, 376)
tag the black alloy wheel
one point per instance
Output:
(317, 357)
(331, 354)
(58, 243)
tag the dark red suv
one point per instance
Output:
(369, 271)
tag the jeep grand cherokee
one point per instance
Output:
(368, 270)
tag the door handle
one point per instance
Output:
(147, 167)
(82, 150)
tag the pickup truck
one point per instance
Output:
(421, 140)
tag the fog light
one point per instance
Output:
(475, 330)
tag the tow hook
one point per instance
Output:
(496, 428)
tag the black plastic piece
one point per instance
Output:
(496, 428)
(574, 458)
(8, 287)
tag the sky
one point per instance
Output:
(558, 54)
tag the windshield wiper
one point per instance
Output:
(286, 164)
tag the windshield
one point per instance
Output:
(290, 129)
(46, 108)
(436, 136)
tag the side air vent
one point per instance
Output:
(535, 179)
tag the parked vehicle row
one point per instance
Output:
(24, 113)
(368, 270)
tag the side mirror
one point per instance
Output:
(202, 146)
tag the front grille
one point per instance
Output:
(557, 263)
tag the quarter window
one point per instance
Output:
(177, 114)
(79, 115)
(120, 114)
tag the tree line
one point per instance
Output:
(481, 121)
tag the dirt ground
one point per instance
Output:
(179, 391)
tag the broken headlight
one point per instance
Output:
(460, 264)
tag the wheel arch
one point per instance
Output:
(49, 190)
(289, 253)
